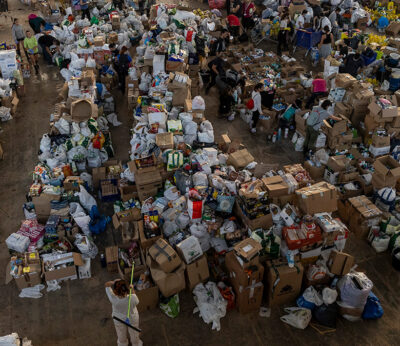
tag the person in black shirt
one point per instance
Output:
(237, 8)
(45, 42)
(353, 64)
(220, 44)
(216, 67)
(226, 101)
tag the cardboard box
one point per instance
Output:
(197, 272)
(344, 80)
(144, 242)
(337, 128)
(174, 66)
(240, 159)
(165, 256)
(83, 110)
(140, 268)
(42, 205)
(72, 183)
(111, 253)
(388, 168)
(165, 140)
(343, 108)
(317, 198)
(168, 283)
(189, 249)
(247, 250)
(143, 165)
(340, 263)
(72, 260)
(338, 163)
(361, 215)
(316, 173)
(249, 298)
(148, 298)
(380, 141)
(240, 277)
(389, 112)
(264, 221)
(28, 279)
(128, 192)
(133, 214)
(99, 41)
(276, 186)
(283, 284)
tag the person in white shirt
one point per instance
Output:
(334, 19)
(326, 22)
(118, 294)
(257, 110)
(301, 20)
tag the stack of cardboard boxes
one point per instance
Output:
(246, 274)
(180, 84)
(147, 176)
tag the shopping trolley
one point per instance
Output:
(307, 39)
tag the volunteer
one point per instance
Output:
(237, 8)
(226, 101)
(318, 88)
(220, 44)
(282, 34)
(334, 18)
(233, 25)
(31, 48)
(256, 110)
(45, 42)
(314, 123)
(85, 9)
(301, 20)
(117, 4)
(123, 63)
(118, 294)
(325, 45)
(36, 23)
(17, 34)
(352, 64)
(216, 67)
(248, 13)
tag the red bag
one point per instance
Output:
(250, 104)
(216, 4)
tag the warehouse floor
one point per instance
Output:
(80, 314)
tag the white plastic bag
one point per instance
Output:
(210, 304)
(329, 295)
(45, 143)
(80, 217)
(297, 317)
(198, 103)
(86, 246)
(86, 199)
(32, 292)
(112, 119)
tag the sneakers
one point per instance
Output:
(253, 130)
(231, 117)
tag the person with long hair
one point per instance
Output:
(283, 33)
(17, 34)
(118, 294)
(325, 45)
(257, 108)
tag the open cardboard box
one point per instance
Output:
(63, 273)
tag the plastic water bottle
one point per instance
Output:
(286, 133)
(279, 134)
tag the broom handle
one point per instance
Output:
(130, 289)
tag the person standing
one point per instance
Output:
(85, 9)
(237, 8)
(256, 110)
(123, 63)
(118, 294)
(17, 34)
(117, 4)
(282, 34)
(314, 123)
(31, 47)
(334, 19)
(248, 12)
(325, 45)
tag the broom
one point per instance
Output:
(127, 322)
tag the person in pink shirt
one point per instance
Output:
(318, 88)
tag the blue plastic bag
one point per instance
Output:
(98, 223)
(373, 308)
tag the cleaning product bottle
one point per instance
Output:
(274, 137)
(286, 133)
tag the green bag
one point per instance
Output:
(94, 20)
(170, 306)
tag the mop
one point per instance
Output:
(127, 322)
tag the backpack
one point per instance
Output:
(250, 104)
(313, 118)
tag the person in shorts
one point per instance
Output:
(31, 48)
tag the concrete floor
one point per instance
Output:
(80, 314)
